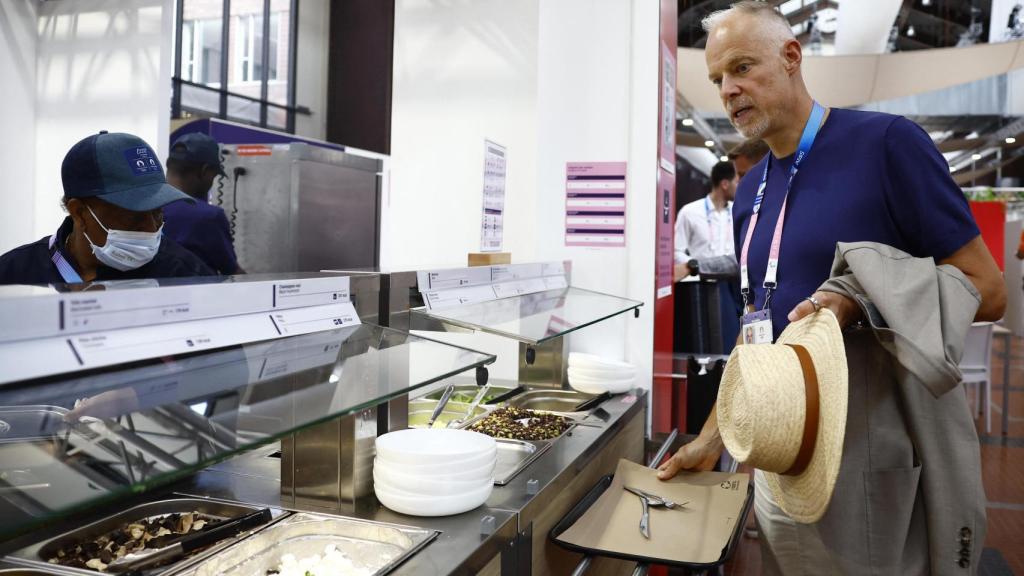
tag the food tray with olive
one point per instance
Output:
(521, 424)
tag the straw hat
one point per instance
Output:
(763, 412)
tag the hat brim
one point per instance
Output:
(146, 198)
(805, 497)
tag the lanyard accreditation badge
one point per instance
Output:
(757, 325)
(66, 270)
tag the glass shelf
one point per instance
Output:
(147, 424)
(535, 318)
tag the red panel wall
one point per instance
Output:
(661, 416)
(991, 218)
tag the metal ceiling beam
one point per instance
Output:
(800, 15)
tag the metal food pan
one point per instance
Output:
(514, 456)
(373, 546)
(8, 569)
(420, 411)
(466, 390)
(559, 402)
(38, 554)
(27, 423)
(575, 419)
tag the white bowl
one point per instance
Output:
(427, 487)
(581, 360)
(454, 473)
(602, 373)
(439, 484)
(442, 465)
(597, 386)
(419, 446)
(433, 505)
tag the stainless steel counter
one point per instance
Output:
(504, 536)
(462, 546)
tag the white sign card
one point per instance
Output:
(492, 223)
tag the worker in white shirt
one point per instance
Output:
(704, 230)
(704, 227)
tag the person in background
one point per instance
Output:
(746, 154)
(114, 190)
(704, 227)
(704, 230)
(192, 165)
(833, 176)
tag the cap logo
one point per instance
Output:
(141, 161)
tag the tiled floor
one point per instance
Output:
(1002, 470)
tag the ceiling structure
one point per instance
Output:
(975, 146)
(936, 23)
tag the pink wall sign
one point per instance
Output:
(595, 204)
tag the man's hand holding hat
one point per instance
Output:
(846, 310)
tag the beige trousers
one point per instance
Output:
(787, 547)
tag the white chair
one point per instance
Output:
(976, 367)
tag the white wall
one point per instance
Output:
(17, 117)
(311, 75)
(101, 65)
(598, 101)
(556, 82)
(464, 70)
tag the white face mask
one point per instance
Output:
(125, 250)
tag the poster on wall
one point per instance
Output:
(667, 139)
(492, 223)
(666, 246)
(595, 204)
(1006, 22)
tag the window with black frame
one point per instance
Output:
(235, 59)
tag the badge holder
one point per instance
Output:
(756, 327)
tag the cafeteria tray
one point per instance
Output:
(374, 546)
(594, 494)
(38, 554)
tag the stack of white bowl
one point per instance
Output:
(595, 375)
(434, 471)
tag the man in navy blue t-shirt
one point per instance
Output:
(867, 177)
(200, 227)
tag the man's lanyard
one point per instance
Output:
(771, 274)
(67, 271)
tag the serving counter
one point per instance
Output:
(285, 422)
(508, 535)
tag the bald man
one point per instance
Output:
(845, 176)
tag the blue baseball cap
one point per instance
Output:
(118, 168)
(197, 148)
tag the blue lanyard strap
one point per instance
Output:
(67, 271)
(810, 132)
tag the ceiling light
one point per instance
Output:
(1011, 140)
(975, 156)
(952, 168)
(910, 31)
(723, 158)
(926, 2)
(687, 121)
(709, 143)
